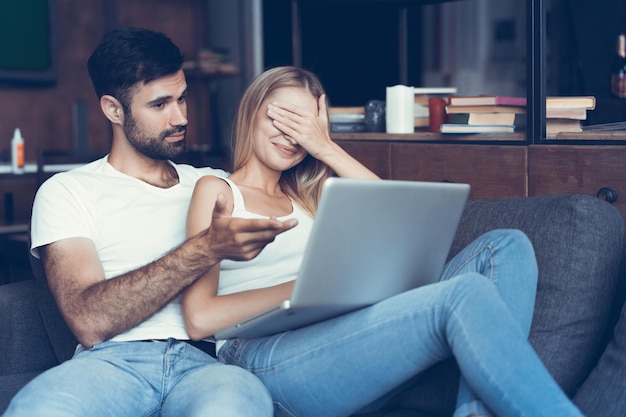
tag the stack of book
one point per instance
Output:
(422, 94)
(482, 114)
(347, 119)
(498, 114)
(565, 114)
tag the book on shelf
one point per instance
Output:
(578, 113)
(347, 114)
(561, 102)
(468, 128)
(347, 119)
(421, 122)
(586, 102)
(346, 110)
(486, 100)
(422, 94)
(498, 118)
(558, 125)
(420, 110)
(565, 114)
(347, 127)
(605, 127)
(421, 115)
(450, 109)
(439, 91)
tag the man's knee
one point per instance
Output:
(218, 389)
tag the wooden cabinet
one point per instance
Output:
(376, 155)
(500, 171)
(491, 170)
(578, 169)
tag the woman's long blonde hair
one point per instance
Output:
(303, 182)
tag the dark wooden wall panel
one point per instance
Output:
(44, 114)
(492, 171)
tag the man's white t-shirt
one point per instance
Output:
(131, 223)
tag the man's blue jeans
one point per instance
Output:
(117, 379)
(480, 313)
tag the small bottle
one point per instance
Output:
(618, 69)
(17, 152)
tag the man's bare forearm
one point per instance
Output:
(97, 309)
(109, 307)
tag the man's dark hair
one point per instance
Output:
(127, 56)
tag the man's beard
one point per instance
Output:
(155, 148)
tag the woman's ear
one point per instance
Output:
(112, 109)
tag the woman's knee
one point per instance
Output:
(513, 238)
(515, 245)
(472, 287)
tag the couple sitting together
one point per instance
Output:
(145, 257)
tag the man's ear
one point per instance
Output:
(112, 109)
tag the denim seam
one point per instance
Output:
(504, 395)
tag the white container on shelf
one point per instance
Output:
(17, 152)
(400, 109)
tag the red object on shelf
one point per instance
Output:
(436, 113)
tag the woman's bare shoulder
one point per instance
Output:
(212, 182)
(209, 186)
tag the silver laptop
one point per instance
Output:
(371, 239)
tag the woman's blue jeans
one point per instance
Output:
(142, 379)
(480, 313)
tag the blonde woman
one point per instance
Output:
(479, 313)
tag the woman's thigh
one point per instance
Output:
(339, 366)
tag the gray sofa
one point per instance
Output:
(578, 241)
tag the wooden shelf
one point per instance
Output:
(598, 135)
(431, 137)
(518, 138)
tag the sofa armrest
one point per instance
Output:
(604, 391)
(25, 345)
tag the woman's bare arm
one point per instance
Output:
(205, 312)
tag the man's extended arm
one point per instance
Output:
(96, 309)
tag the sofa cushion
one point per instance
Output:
(28, 348)
(578, 243)
(63, 341)
(10, 385)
